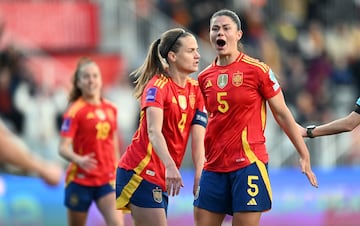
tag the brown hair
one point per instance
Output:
(169, 41)
(75, 92)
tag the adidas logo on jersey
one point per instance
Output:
(252, 202)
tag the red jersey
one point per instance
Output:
(179, 107)
(92, 129)
(235, 98)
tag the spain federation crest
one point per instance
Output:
(182, 102)
(74, 199)
(157, 195)
(100, 114)
(192, 100)
(237, 79)
(222, 80)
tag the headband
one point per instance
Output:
(172, 44)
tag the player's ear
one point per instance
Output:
(171, 56)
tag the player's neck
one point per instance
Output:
(223, 60)
(92, 100)
(178, 77)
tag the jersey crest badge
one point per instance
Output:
(192, 100)
(100, 114)
(237, 79)
(110, 114)
(157, 195)
(222, 80)
(74, 199)
(182, 102)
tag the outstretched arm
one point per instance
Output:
(15, 152)
(287, 122)
(345, 124)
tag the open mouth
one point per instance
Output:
(220, 42)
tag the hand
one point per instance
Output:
(306, 169)
(196, 186)
(87, 162)
(173, 181)
(302, 130)
(51, 173)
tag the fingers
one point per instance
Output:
(173, 186)
(306, 169)
(88, 162)
(312, 178)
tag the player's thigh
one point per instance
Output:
(204, 217)
(106, 206)
(78, 198)
(246, 219)
(214, 193)
(131, 188)
(255, 194)
(76, 218)
(148, 216)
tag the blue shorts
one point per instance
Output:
(79, 197)
(131, 188)
(245, 190)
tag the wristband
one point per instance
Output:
(309, 130)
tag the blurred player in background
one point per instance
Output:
(236, 88)
(89, 141)
(172, 108)
(15, 152)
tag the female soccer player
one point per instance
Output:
(89, 141)
(171, 108)
(236, 88)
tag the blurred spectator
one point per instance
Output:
(40, 109)
(295, 73)
(306, 109)
(121, 94)
(178, 11)
(10, 77)
(143, 10)
(200, 11)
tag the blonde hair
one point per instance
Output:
(153, 64)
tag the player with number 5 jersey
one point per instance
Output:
(237, 89)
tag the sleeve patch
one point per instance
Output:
(65, 127)
(274, 80)
(151, 95)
